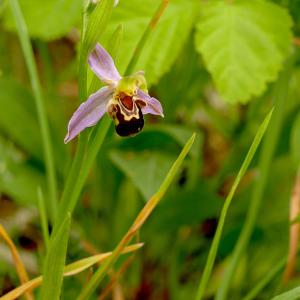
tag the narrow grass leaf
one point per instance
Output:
(43, 217)
(69, 270)
(265, 281)
(216, 241)
(293, 294)
(40, 105)
(265, 160)
(21, 271)
(55, 262)
(85, 263)
(139, 221)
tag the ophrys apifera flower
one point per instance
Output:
(125, 99)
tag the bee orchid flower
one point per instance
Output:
(125, 99)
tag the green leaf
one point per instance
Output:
(293, 294)
(55, 262)
(146, 169)
(49, 19)
(295, 141)
(187, 207)
(17, 117)
(164, 44)
(18, 179)
(17, 108)
(179, 133)
(243, 44)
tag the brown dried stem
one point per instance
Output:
(294, 230)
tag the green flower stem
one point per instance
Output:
(280, 95)
(101, 15)
(64, 205)
(90, 157)
(138, 50)
(138, 223)
(83, 163)
(40, 106)
(265, 280)
(216, 241)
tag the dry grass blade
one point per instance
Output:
(71, 269)
(115, 278)
(294, 231)
(17, 260)
(138, 223)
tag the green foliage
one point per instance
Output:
(243, 44)
(165, 42)
(55, 261)
(146, 169)
(18, 179)
(48, 20)
(17, 109)
(203, 60)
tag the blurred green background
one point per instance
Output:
(216, 66)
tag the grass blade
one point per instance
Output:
(265, 160)
(265, 281)
(55, 262)
(139, 221)
(43, 216)
(293, 294)
(40, 105)
(216, 241)
(21, 271)
(69, 270)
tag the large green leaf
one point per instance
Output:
(146, 169)
(48, 19)
(165, 42)
(244, 44)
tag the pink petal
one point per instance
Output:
(153, 106)
(103, 65)
(89, 112)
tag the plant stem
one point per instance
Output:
(90, 157)
(40, 106)
(280, 95)
(64, 205)
(72, 188)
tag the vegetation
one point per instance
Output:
(201, 204)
